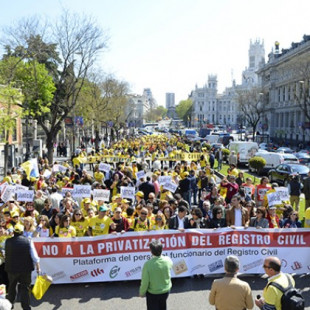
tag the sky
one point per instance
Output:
(172, 45)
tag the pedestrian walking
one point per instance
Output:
(156, 278)
(20, 258)
(230, 292)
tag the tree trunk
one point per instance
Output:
(254, 129)
(50, 139)
(6, 158)
(97, 138)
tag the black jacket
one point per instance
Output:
(17, 255)
(174, 222)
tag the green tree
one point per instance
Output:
(183, 109)
(102, 99)
(252, 105)
(76, 44)
(153, 115)
(10, 97)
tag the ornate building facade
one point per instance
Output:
(285, 78)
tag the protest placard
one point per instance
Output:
(19, 187)
(59, 168)
(128, 192)
(8, 193)
(2, 187)
(104, 167)
(66, 189)
(24, 195)
(81, 191)
(164, 179)
(140, 174)
(273, 199)
(47, 173)
(101, 194)
(170, 186)
(248, 190)
(283, 193)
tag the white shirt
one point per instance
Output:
(238, 217)
(181, 223)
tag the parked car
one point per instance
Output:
(281, 174)
(304, 151)
(289, 158)
(270, 147)
(304, 158)
(286, 150)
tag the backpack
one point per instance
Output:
(136, 222)
(292, 298)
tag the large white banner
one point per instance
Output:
(121, 257)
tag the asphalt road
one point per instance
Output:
(186, 294)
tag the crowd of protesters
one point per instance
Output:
(198, 202)
(201, 200)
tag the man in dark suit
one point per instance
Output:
(20, 258)
(180, 220)
(147, 187)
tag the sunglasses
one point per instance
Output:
(219, 212)
(142, 213)
(266, 267)
(78, 214)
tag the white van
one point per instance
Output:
(244, 150)
(212, 138)
(275, 159)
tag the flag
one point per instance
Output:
(31, 168)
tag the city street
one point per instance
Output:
(186, 294)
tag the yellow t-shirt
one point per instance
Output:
(307, 218)
(152, 219)
(65, 232)
(98, 176)
(80, 227)
(140, 226)
(100, 226)
(156, 227)
(7, 179)
(271, 294)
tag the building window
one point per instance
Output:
(252, 61)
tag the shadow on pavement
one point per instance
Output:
(84, 292)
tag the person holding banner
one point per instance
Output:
(272, 217)
(79, 223)
(141, 223)
(100, 224)
(121, 223)
(156, 278)
(65, 230)
(237, 215)
(259, 221)
(231, 292)
(292, 221)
